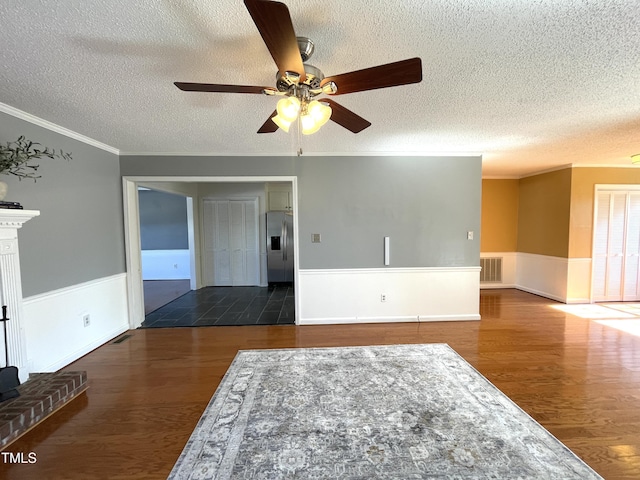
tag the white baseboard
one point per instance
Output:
(541, 293)
(54, 327)
(350, 320)
(449, 318)
(419, 318)
(412, 295)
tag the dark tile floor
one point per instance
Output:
(273, 305)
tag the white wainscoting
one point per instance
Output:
(54, 327)
(566, 280)
(166, 265)
(412, 295)
(542, 275)
(579, 280)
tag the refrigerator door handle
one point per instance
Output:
(284, 241)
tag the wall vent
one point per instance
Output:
(491, 270)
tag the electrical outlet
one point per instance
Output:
(86, 320)
(175, 265)
(383, 297)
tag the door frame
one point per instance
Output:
(598, 188)
(133, 255)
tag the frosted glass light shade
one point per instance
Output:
(317, 115)
(281, 123)
(308, 124)
(288, 108)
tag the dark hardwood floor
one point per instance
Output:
(579, 378)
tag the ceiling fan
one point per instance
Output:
(299, 83)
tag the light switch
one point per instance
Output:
(315, 238)
(469, 235)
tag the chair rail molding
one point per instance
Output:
(11, 286)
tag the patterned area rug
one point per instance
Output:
(388, 412)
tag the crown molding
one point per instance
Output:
(555, 169)
(27, 117)
(310, 154)
(204, 154)
(501, 177)
(602, 165)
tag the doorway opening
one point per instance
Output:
(219, 209)
(165, 246)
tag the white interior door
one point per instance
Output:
(616, 247)
(231, 248)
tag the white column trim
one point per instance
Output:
(11, 287)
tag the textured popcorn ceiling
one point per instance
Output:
(530, 84)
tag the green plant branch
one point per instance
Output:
(16, 158)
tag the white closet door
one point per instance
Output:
(252, 243)
(221, 244)
(601, 246)
(231, 242)
(616, 248)
(631, 290)
(615, 260)
(237, 240)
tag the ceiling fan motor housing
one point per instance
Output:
(313, 78)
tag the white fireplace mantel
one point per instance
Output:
(11, 286)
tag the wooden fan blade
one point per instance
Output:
(345, 117)
(388, 75)
(269, 126)
(212, 87)
(274, 24)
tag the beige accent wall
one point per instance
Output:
(544, 212)
(583, 182)
(499, 227)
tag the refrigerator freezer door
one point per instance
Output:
(288, 256)
(279, 247)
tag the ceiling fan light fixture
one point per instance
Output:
(309, 125)
(635, 159)
(319, 111)
(288, 108)
(281, 123)
(315, 116)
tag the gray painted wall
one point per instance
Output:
(79, 234)
(163, 221)
(425, 204)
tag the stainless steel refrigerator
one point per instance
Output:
(279, 247)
